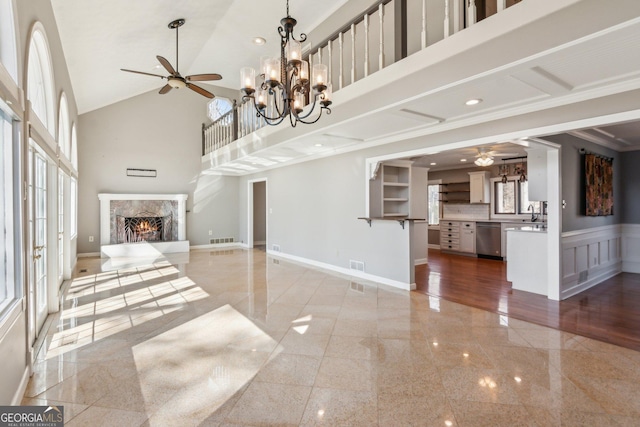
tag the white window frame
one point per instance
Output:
(73, 207)
(436, 182)
(40, 82)
(516, 215)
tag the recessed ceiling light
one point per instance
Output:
(463, 160)
(259, 41)
(317, 145)
(432, 164)
(474, 101)
(8, 102)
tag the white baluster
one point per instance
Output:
(502, 5)
(341, 49)
(381, 57)
(366, 45)
(330, 66)
(446, 18)
(471, 13)
(457, 16)
(424, 24)
(353, 53)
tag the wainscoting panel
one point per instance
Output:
(631, 248)
(591, 256)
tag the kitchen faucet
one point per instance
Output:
(534, 217)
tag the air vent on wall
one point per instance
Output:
(219, 240)
(583, 276)
(276, 248)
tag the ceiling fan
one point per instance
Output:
(485, 156)
(175, 80)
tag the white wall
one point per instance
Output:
(152, 131)
(313, 215)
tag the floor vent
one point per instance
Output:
(219, 240)
(276, 248)
(583, 276)
(356, 265)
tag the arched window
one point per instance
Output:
(40, 78)
(8, 51)
(74, 147)
(64, 132)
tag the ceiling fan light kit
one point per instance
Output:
(175, 80)
(286, 84)
(484, 160)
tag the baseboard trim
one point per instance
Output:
(22, 388)
(218, 246)
(606, 273)
(631, 266)
(420, 261)
(433, 246)
(89, 255)
(345, 271)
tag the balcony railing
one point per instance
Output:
(382, 35)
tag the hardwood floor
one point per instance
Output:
(608, 312)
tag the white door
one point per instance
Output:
(38, 240)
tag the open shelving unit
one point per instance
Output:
(455, 192)
(393, 192)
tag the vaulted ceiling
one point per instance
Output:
(101, 37)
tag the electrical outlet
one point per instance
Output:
(90, 238)
(210, 232)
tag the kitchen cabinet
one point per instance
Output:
(396, 191)
(468, 237)
(479, 187)
(450, 235)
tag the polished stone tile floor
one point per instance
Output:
(234, 337)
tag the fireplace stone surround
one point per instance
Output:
(113, 207)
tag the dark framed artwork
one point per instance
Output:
(598, 185)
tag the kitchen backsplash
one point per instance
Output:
(465, 211)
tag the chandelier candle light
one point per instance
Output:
(284, 85)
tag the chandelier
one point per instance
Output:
(284, 87)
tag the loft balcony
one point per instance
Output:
(403, 70)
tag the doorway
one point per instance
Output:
(38, 248)
(257, 214)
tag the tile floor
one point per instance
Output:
(228, 338)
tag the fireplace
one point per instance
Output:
(143, 227)
(142, 224)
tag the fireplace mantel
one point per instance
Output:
(109, 249)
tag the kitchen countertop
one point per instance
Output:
(529, 229)
(506, 221)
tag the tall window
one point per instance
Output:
(73, 210)
(8, 54)
(512, 197)
(9, 289)
(74, 147)
(60, 225)
(64, 131)
(40, 79)
(433, 195)
(505, 197)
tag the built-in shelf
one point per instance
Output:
(455, 192)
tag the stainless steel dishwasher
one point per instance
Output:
(488, 240)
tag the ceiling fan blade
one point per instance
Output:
(165, 89)
(166, 65)
(142, 72)
(200, 90)
(203, 77)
